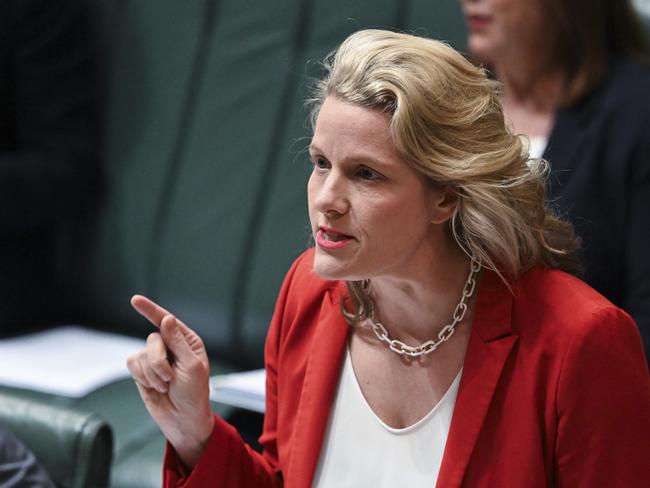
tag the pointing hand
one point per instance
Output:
(172, 374)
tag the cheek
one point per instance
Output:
(493, 38)
(487, 44)
(523, 22)
(392, 223)
(312, 191)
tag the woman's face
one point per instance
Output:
(499, 28)
(370, 212)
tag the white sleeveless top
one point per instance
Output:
(361, 450)
(537, 146)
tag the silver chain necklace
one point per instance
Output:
(445, 333)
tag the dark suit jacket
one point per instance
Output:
(555, 391)
(49, 147)
(599, 151)
(18, 466)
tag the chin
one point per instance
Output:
(328, 272)
(328, 268)
(480, 48)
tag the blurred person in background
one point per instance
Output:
(49, 149)
(18, 466)
(576, 81)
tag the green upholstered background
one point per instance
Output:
(205, 153)
(204, 150)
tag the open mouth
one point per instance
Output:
(335, 237)
(330, 239)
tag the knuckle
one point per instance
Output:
(131, 362)
(143, 383)
(148, 370)
(134, 365)
(198, 339)
(159, 363)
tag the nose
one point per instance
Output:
(328, 193)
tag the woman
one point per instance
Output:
(576, 79)
(431, 324)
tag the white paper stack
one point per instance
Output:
(243, 390)
(70, 360)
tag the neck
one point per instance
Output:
(414, 308)
(530, 97)
(533, 86)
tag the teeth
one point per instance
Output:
(333, 237)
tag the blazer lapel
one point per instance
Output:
(489, 346)
(319, 388)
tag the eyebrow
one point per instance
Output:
(315, 148)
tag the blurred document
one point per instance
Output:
(243, 390)
(70, 360)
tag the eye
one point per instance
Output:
(320, 163)
(367, 174)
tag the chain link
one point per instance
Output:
(445, 333)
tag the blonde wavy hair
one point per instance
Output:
(448, 124)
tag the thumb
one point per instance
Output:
(174, 339)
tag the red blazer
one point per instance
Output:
(555, 391)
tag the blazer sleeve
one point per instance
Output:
(227, 460)
(603, 406)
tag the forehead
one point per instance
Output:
(344, 129)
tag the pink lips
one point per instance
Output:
(324, 235)
(478, 22)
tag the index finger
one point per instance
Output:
(153, 312)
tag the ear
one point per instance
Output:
(443, 204)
